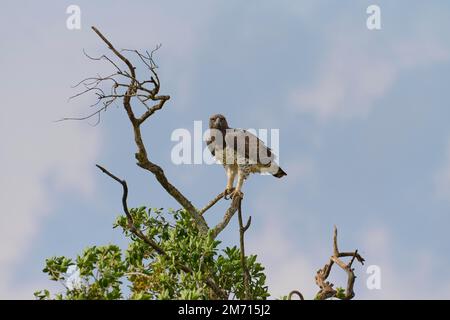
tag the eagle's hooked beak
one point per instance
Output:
(217, 123)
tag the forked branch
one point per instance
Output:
(326, 288)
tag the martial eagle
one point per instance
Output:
(240, 152)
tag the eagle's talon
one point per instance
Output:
(238, 194)
(227, 194)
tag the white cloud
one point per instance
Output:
(356, 71)
(347, 85)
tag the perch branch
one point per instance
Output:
(229, 213)
(213, 202)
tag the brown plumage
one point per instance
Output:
(240, 152)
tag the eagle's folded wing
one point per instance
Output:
(248, 147)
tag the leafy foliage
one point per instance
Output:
(340, 293)
(103, 272)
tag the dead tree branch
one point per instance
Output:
(326, 288)
(140, 90)
(124, 87)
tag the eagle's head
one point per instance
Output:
(218, 122)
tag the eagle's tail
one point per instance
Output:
(280, 173)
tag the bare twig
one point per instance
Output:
(247, 225)
(295, 292)
(102, 57)
(117, 53)
(326, 288)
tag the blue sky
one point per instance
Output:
(363, 118)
